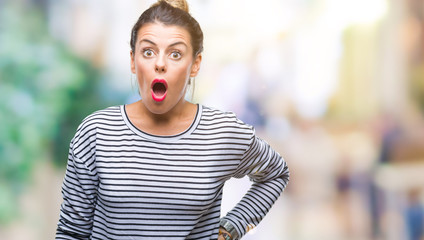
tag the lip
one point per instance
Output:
(159, 97)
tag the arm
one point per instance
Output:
(269, 174)
(79, 192)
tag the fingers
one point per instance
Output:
(223, 234)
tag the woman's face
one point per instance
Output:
(163, 62)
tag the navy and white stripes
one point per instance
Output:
(122, 183)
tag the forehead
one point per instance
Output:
(163, 34)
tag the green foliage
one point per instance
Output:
(45, 91)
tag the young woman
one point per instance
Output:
(155, 169)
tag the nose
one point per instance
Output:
(160, 69)
(160, 66)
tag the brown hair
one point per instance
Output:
(170, 12)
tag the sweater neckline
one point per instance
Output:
(162, 138)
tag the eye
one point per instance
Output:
(148, 53)
(175, 55)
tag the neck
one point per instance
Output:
(175, 121)
(177, 112)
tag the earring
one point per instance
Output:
(190, 80)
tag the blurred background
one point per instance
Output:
(336, 86)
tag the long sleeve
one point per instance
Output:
(79, 189)
(269, 173)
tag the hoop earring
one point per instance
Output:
(134, 83)
(192, 85)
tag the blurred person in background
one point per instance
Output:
(155, 169)
(414, 215)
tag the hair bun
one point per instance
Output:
(181, 4)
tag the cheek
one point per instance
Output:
(142, 70)
(183, 71)
(142, 77)
(140, 66)
(182, 79)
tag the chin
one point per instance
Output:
(157, 108)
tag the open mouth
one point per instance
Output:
(159, 89)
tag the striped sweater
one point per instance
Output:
(123, 183)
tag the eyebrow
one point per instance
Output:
(153, 43)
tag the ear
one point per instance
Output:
(132, 62)
(196, 65)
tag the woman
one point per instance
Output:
(155, 169)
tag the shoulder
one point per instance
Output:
(83, 144)
(224, 119)
(106, 116)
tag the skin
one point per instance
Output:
(163, 52)
(220, 237)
